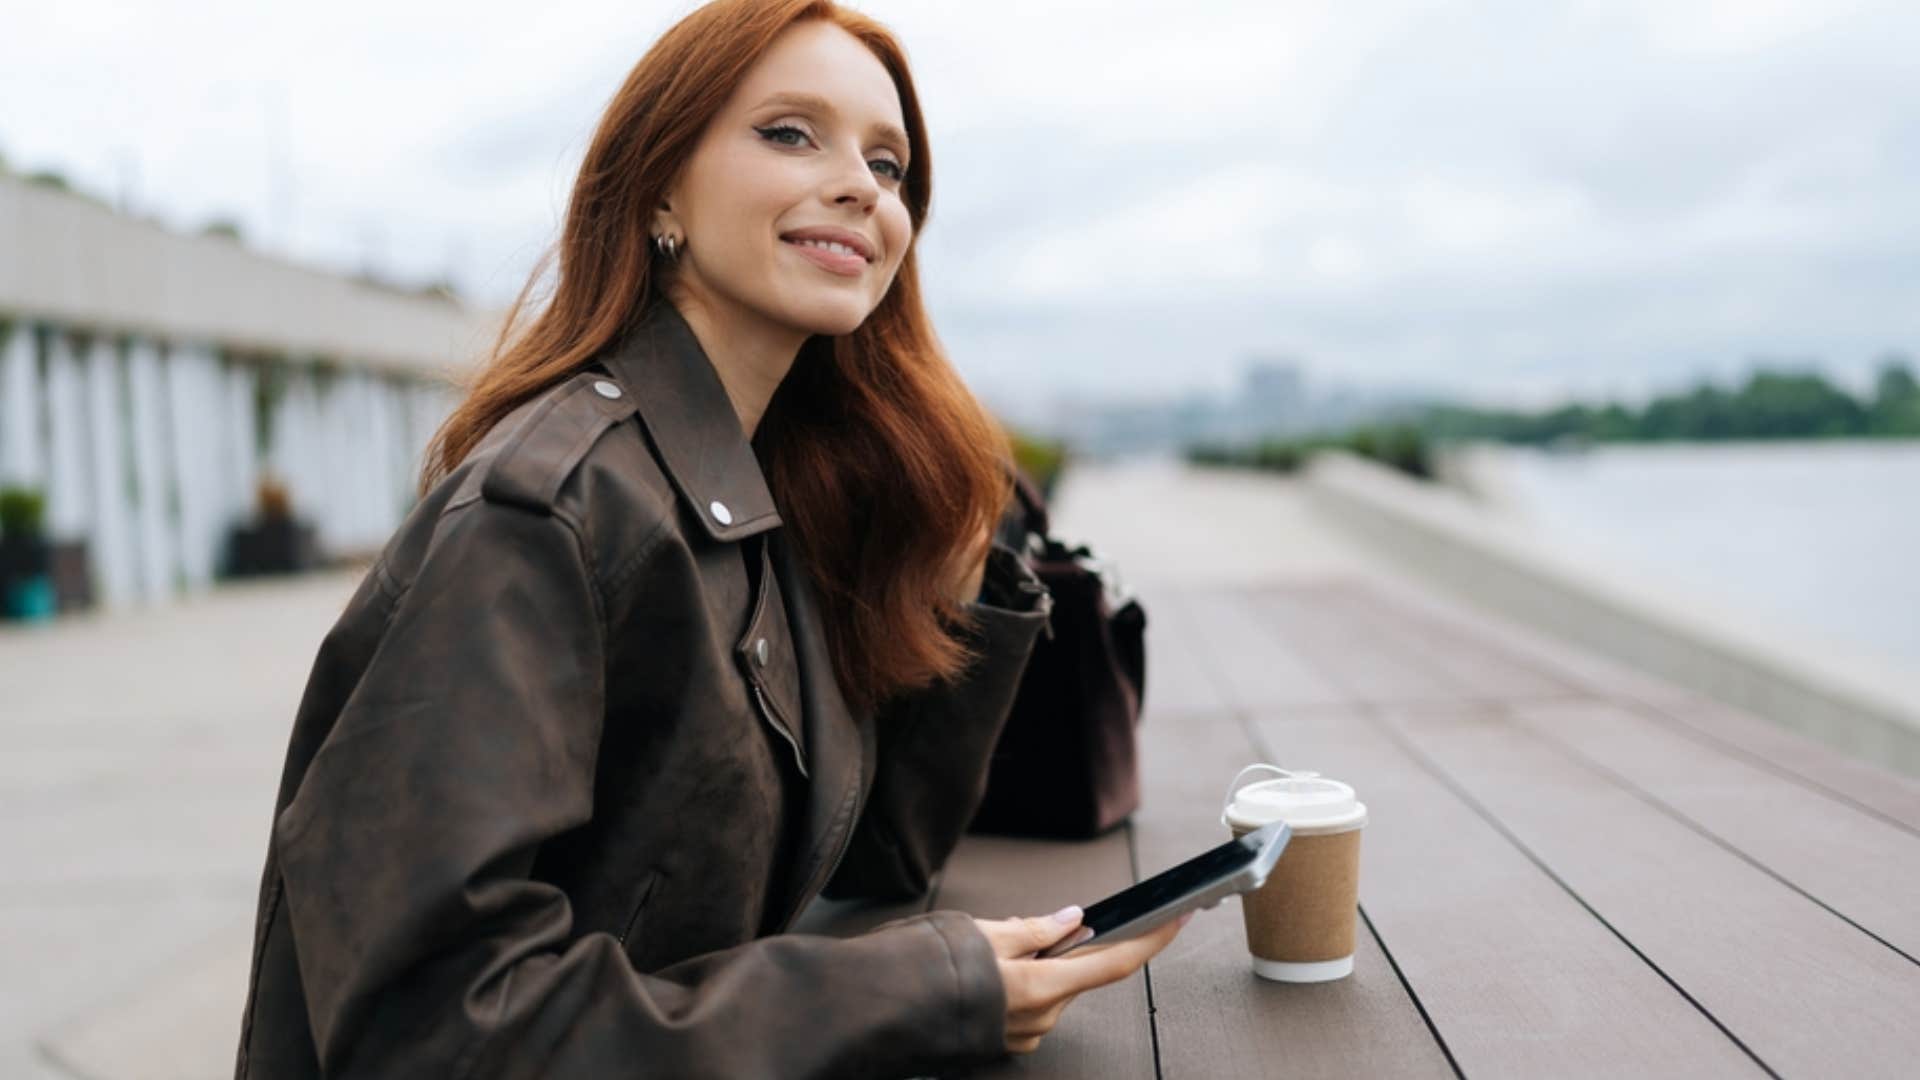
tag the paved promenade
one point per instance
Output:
(141, 755)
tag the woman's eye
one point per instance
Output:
(773, 134)
(778, 135)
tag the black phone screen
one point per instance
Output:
(1170, 885)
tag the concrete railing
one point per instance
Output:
(1846, 701)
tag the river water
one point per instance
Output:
(1821, 535)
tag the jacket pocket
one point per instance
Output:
(645, 893)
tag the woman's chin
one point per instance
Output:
(833, 320)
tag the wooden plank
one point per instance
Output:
(1869, 786)
(1364, 665)
(1252, 664)
(1856, 864)
(1580, 669)
(1467, 657)
(1518, 978)
(1104, 1033)
(1212, 1015)
(1177, 677)
(1807, 992)
(1872, 788)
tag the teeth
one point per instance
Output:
(830, 245)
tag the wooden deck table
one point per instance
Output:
(1569, 869)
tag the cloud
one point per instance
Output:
(1506, 197)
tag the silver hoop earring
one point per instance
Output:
(667, 245)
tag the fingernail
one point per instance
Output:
(1067, 915)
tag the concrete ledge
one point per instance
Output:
(1866, 709)
(66, 260)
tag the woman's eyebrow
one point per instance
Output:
(818, 104)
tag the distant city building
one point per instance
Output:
(150, 380)
(1275, 385)
(1274, 399)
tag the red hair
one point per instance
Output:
(884, 466)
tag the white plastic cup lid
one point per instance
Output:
(1308, 802)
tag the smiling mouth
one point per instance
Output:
(830, 245)
(834, 258)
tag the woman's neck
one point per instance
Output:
(750, 355)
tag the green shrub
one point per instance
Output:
(1040, 459)
(1402, 447)
(23, 511)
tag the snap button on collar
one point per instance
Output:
(760, 651)
(720, 512)
(606, 389)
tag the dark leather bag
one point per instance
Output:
(1066, 765)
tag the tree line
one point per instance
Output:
(1769, 405)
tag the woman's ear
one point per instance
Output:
(664, 222)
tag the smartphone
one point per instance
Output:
(1236, 866)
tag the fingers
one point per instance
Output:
(1014, 939)
(1029, 1027)
(1099, 965)
(1039, 991)
(1037, 1021)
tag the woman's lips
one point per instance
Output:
(830, 261)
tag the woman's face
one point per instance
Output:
(810, 145)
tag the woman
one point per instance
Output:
(615, 703)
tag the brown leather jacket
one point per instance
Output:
(573, 759)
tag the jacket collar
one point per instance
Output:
(688, 416)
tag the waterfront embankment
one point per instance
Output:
(1581, 593)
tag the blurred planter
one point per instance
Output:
(26, 578)
(26, 559)
(274, 542)
(272, 546)
(72, 575)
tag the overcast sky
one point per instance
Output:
(1519, 200)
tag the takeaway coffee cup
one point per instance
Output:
(1300, 924)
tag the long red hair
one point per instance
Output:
(884, 466)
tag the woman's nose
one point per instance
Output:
(853, 181)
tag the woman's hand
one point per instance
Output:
(1038, 990)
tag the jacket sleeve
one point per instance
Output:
(935, 744)
(426, 949)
